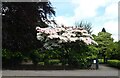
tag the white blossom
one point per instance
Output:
(63, 39)
(40, 38)
(68, 34)
(87, 35)
(73, 39)
(94, 42)
(53, 36)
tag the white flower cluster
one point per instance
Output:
(64, 35)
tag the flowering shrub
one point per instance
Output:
(72, 43)
(56, 36)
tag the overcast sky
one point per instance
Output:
(101, 13)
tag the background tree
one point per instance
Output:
(116, 51)
(105, 43)
(103, 30)
(86, 26)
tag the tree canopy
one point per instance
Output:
(19, 20)
(105, 44)
(86, 26)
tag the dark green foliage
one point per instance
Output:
(71, 54)
(116, 51)
(78, 54)
(36, 56)
(11, 58)
(19, 21)
(46, 56)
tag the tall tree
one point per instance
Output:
(19, 20)
(86, 26)
(105, 42)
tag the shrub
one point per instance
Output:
(114, 63)
(11, 58)
(5, 57)
(35, 57)
(41, 63)
(54, 62)
(72, 44)
(17, 58)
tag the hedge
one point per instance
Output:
(114, 63)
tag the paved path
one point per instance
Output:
(103, 72)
